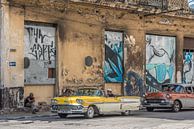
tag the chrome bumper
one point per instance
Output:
(68, 109)
(166, 104)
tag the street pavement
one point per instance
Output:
(160, 119)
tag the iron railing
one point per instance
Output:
(162, 4)
(158, 4)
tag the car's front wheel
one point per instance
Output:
(61, 115)
(176, 106)
(150, 109)
(90, 113)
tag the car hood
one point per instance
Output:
(72, 99)
(156, 95)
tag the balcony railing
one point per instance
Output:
(157, 4)
(161, 4)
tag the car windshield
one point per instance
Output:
(89, 92)
(172, 88)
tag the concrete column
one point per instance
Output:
(4, 49)
(4, 44)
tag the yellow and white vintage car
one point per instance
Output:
(91, 101)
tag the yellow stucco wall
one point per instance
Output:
(41, 93)
(80, 33)
(13, 49)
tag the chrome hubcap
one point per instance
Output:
(90, 112)
(176, 106)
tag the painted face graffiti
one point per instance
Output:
(160, 61)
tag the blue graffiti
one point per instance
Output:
(113, 67)
(160, 61)
(187, 67)
(161, 71)
(187, 57)
(134, 84)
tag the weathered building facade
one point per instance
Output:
(48, 46)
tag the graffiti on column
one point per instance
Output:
(188, 64)
(160, 61)
(134, 84)
(41, 51)
(12, 97)
(113, 65)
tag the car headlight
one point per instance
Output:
(79, 107)
(79, 101)
(144, 95)
(53, 101)
(168, 96)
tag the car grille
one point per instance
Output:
(66, 107)
(154, 100)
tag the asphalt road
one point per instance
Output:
(160, 119)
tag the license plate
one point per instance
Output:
(63, 111)
(154, 104)
(64, 108)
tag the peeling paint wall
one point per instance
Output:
(178, 28)
(12, 97)
(80, 47)
(80, 34)
(11, 57)
(39, 95)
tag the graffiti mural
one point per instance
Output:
(134, 84)
(41, 51)
(12, 97)
(113, 65)
(41, 42)
(160, 61)
(188, 67)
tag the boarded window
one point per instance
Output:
(41, 51)
(188, 43)
(188, 61)
(160, 61)
(51, 73)
(113, 65)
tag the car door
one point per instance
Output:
(182, 96)
(192, 96)
(189, 97)
(111, 104)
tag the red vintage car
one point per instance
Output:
(172, 96)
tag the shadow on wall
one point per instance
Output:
(11, 97)
(134, 84)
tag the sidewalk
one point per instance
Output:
(24, 115)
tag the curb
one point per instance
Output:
(26, 117)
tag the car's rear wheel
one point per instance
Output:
(126, 113)
(61, 115)
(90, 113)
(176, 106)
(150, 109)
